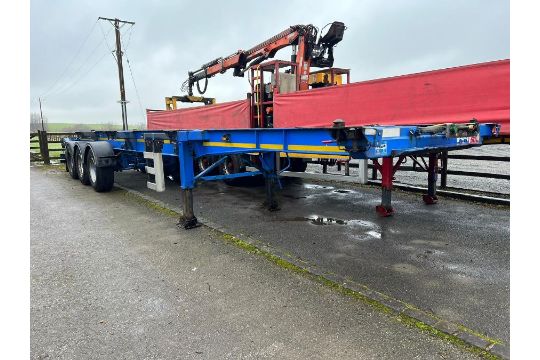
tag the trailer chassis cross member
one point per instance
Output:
(94, 156)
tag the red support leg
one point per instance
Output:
(431, 197)
(387, 173)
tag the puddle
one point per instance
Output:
(314, 187)
(316, 220)
(357, 229)
(341, 191)
(375, 234)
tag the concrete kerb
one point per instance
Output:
(401, 311)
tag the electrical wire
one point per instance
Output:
(82, 76)
(107, 42)
(69, 85)
(135, 86)
(72, 60)
(129, 38)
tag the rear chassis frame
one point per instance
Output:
(261, 148)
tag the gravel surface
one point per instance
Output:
(454, 181)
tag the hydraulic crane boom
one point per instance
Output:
(307, 52)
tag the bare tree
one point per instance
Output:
(35, 122)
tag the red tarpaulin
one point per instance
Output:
(229, 115)
(480, 91)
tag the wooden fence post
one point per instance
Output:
(44, 147)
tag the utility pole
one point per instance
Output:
(116, 23)
(41, 115)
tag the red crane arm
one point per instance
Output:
(294, 35)
(304, 36)
(264, 49)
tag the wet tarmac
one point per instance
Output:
(113, 279)
(451, 259)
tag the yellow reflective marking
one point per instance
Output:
(314, 156)
(226, 144)
(310, 148)
(272, 146)
(315, 148)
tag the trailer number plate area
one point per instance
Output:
(472, 140)
(391, 132)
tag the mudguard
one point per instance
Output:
(69, 148)
(103, 152)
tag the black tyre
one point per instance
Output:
(82, 167)
(205, 162)
(101, 178)
(233, 165)
(71, 163)
(298, 165)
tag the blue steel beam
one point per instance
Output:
(363, 143)
(368, 142)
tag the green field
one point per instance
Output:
(70, 127)
(67, 127)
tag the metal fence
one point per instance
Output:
(418, 164)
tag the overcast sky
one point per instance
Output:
(78, 79)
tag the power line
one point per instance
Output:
(129, 38)
(69, 85)
(72, 60)
(82, 76)
(106, 41)
(135, 86)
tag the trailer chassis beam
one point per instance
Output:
(367, 142)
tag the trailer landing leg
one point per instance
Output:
(187, 180)
(268, 162)
(431, 197)
(188, 219)
(270, 203)
(387, 172)
(385, 209)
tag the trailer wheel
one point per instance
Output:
(71, 164)
(82, 168)
(101, 178)
(298, 165)
(205, 162)
(233, 165)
